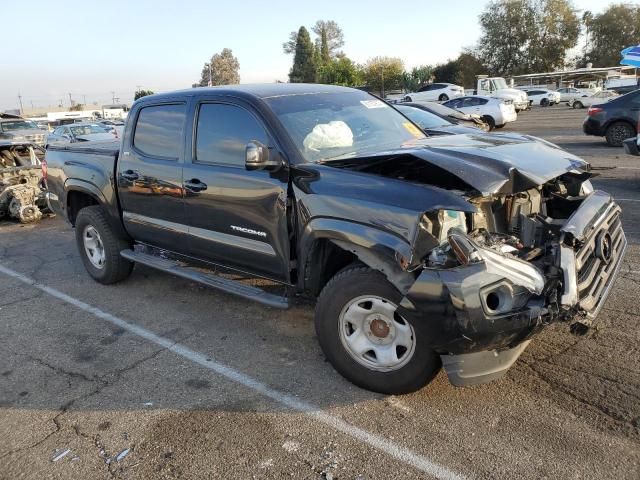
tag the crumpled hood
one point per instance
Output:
(494, 163)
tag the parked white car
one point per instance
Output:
(543, 97)
(496, 112)
(440, 92)
(567, 94)
(600, 97)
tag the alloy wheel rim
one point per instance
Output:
(375, 335)
(93, 246)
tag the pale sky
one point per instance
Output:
(90, 49)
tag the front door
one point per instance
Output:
(149, 176)
(236, 217)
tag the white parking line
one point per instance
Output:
(627, 199)
(392, 449)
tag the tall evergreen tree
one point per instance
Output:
(304, 64)
(325, 57)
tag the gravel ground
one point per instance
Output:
(73, 378)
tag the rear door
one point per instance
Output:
(149, 175)
(236, 217)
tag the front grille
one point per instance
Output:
(593, 271)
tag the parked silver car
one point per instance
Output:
(17, 129)
(79, 132)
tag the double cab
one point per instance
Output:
(421, 252)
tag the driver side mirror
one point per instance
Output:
(258, 157)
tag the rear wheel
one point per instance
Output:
(443, 98)
(618, 132)
(489, 121)
(365, 338)
(100, 246)
(408, 99)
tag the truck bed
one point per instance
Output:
(110, 147)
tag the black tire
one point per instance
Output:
(489, 121)
(500, 126)
(577, 104)
(618, 132)
(346, 286)
(115, 268)
(544, 102)
(443, 98)
(408, 99)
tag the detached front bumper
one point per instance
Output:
(479, 317)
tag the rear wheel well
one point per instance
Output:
(76, 201)
(323, 261)
(622, 120)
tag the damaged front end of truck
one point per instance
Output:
(519, 263)
(536, 245)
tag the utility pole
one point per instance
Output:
(20, 100)
(70, 100)
(113, 97)
(84, 99)
(210, 79)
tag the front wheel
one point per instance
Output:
(443, 97)
(100, 246)
(544, 102)
(578, 105)
(367, 340)
(408, 99)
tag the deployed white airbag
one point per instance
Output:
(334, 134)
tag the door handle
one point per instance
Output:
(195, 185)
(130, 175)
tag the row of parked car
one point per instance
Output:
(86, 131)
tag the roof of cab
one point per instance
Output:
(263, 91)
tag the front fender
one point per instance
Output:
(377, 248)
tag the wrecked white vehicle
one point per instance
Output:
(21, 194)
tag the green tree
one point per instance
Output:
(224, 68)
(527, 35)
(142, 93)
(328, 28)
(325, 58)
(304, 62)
(331, 31)
(417, 77)
(340, 71)
(382, 74)
(614, 29)
(461, 71)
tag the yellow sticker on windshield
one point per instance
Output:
(413, 130)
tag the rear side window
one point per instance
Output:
(159, 130)
(223, 132)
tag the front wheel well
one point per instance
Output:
(76, 201)
(323, 261)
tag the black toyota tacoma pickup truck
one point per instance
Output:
(421, 252)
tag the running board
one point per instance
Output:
(210, 279)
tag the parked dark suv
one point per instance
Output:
(616, 120)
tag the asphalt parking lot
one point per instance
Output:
(158, 377)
